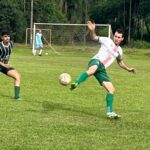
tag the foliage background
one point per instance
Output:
(15, 15)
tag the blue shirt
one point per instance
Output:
(39, 39)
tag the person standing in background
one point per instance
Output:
(38, 43)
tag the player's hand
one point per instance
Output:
(133, 70)
(91, 25)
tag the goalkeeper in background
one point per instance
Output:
(108, 52)
(38, 43)
(5, 52)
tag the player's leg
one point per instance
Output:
(16, 76)
(40, 53)
(92, 67)
(109, 99)
(34, 51)
(41, 49)
(37, 46)
(104, 80)
(83, 76)
(110, 95)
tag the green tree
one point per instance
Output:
(15, 14)
(75, 11)
(106, 11)
(12, 19)
(47, 12)
(117, 13)
(145, 15)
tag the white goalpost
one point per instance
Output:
(69, 34)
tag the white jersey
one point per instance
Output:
(108, 51)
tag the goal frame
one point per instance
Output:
(28, 31)
(65, 24)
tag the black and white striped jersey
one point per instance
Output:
(5, 51)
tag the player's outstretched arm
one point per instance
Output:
(124, 66)
(91, 27)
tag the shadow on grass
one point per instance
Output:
(51, 106)
(74, 110)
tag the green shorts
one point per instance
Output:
(100, 74)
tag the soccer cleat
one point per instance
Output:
(40, 54)
(112, 115)
(18, 98)
(73, 85)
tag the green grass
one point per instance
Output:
(51, 117)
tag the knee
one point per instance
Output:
(92, 70)
(18, 77)
(111, 90)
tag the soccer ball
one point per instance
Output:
(46, 53)
(64, 79)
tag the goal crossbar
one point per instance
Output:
(67, 24)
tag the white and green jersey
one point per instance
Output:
(108, 51)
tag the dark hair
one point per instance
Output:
(120, 31)
(4, 33)
(92, 20)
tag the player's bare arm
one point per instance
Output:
(91, 27)
(5, 65)
(124, 66)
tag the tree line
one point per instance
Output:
(133, 16)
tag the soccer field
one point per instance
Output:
(51, 117)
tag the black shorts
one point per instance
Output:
(5, 69)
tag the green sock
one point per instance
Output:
(17, 91)
(109, 101)
(82, 77)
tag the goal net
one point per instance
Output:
(69, 34)
(29, 37)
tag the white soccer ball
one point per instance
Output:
(46, 53)
(65, 79)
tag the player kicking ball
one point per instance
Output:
(5, 52)
(108, 52)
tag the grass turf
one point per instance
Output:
(51, 117)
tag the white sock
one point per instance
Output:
(40, 52)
